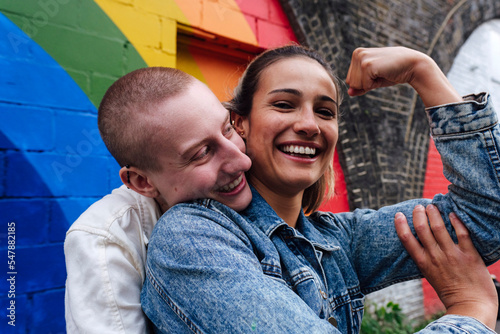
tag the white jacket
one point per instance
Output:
(105, 252)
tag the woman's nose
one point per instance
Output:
(306, 123)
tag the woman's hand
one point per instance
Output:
(373, 68)
(455, 271)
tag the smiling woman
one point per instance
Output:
(315, 106)
(273, 269)
(287, 118)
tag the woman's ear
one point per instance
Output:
(240, 124)
(138, 181)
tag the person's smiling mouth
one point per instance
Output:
(298, 150)
(229, 187)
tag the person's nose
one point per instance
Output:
(306, 123)
(234, 160)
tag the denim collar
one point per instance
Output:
(262, 215)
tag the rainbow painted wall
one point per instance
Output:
(57, 59)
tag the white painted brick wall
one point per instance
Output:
(477, 65)
(408, 295)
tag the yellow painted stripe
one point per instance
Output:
(151, 25)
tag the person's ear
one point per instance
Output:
(240, 124)
(138, 181)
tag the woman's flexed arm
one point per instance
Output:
(373, 68)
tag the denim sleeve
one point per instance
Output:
(467, 136)
(203, 277)
(456, 324)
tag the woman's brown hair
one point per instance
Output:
(241, 104)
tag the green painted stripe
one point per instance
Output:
(80, 37)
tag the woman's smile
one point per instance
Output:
(304, 151)
(292, 128)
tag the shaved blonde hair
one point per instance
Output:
(125, 116)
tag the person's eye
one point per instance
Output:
(228, 130)
(327, 113)
(201, 153)
(283, 105)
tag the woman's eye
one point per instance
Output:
(282, 105)
(327, 112)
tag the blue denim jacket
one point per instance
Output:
(212, 270)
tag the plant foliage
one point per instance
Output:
(389, 319)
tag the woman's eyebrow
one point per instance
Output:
(326, 98)
(298, 93)
(286, 90)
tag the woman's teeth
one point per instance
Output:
(294, 149)
(232, 185)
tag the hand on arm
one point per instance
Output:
(456, 271)
(373, 68)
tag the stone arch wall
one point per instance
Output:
(57, 59)
(384, 134)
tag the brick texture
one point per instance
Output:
(53, 164)
(58, 58)
(384, 137)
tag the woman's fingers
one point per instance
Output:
(373, 68)
(434, 241)
(407, 238)
(438, 228)
(423, 229)
(463, 236)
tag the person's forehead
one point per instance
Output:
(297, 72)
(191, 118)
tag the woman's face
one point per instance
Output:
(292, 129)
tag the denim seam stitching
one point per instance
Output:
(271, 273)
(171, 303)
(493, 153)
(344, 299)
(460, 133)
(455, 326)
(306, 275)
